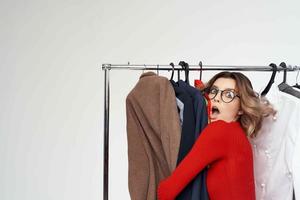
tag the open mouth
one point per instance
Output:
(214, 112)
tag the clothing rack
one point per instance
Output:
(158, 67)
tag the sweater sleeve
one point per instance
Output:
(209, 147)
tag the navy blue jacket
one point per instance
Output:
(194, 121)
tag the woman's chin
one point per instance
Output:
(213, 119)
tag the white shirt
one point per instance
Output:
(276, 150)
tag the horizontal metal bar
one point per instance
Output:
(196, 67)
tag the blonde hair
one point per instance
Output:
(253, 107)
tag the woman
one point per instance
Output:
(223, 146)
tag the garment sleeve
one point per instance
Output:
(138, 163)
(209, 147)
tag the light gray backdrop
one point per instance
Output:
(51, 83)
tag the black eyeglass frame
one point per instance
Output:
(218, 90)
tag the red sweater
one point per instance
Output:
(226, 149)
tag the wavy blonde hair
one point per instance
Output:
(254, 108)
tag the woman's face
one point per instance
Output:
(219, 109)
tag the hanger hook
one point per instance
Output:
(187, 71)
(283, 65)
(184, 67)
(173, 68)
(200, 64)
(271, 81)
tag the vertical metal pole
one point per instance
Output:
(106, 67)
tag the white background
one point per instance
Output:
(51, 82)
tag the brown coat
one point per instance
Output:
(153, 132)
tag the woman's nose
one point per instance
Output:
(216, 100)
(218, 97)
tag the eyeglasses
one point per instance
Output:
(227, 95)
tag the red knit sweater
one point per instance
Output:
(225, 148)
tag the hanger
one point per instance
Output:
(185, 67)
(181, 63)
(297, 85)
(187, 71)
(200, 64)
(284, 87)
(173, 68)
(283, 65)
(271, 81)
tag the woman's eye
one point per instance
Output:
(229, 94)
(213, 91)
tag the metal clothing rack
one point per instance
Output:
(158, 67)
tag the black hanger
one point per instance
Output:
(185, 67)
(283, 84)
(181, 63)
(284, 87)
(283, 65)
(187, 71)
(271, 81)
(297, 85)
(173, 68)
(200, 64)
